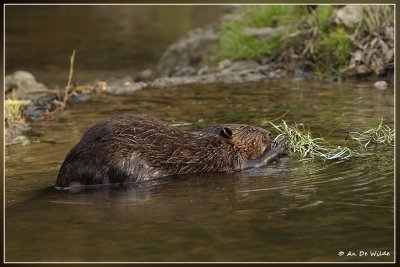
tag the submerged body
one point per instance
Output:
(131, 148)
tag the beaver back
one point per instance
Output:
(130, 148)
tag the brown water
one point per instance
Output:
(110, 40)
(293, 211)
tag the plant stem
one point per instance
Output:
(71, 71)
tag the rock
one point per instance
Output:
(380, 85)
(40, 108)
(35, 113)
(184, 71)
(124, 86)
(78, 98)
(204, 70)
(144, 76)
(349, 15)
(304, 70)
(24, 85)
(15, 130)
(224, 64)
(190, 50)
(100, 86)
(244, 65)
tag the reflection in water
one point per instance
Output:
(255, 216)
(291, 211)
(110, 40)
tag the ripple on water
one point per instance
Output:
(273, 214)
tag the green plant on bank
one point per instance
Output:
(302, 145)
(14, 108)
(333, 51)
(332, 44)
(321, 17)
(14, 119)
(375, 16)
(328, 45)
(234, 45)
(13, 111)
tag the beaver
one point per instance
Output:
(132, 148)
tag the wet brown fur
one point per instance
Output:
(130, 148)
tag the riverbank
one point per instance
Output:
(330, 43)
(250, 44)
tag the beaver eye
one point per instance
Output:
(269, 134)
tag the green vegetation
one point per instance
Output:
(375, 16)
(301, 32)
(333, 51)
(14, 122)
(302, 145)
(13, 111)
(377, 134)
(332, 45)
(321, 17)
(16, 125)
(235, 45)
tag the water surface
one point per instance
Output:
(291, 211)
(110, 40)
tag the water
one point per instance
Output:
(292, 211)
(110, 40)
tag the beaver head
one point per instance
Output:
(130, 148)
(250, 142)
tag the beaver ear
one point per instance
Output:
(226, 132)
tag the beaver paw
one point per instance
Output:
(282, 149)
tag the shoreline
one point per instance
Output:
(192, 60)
